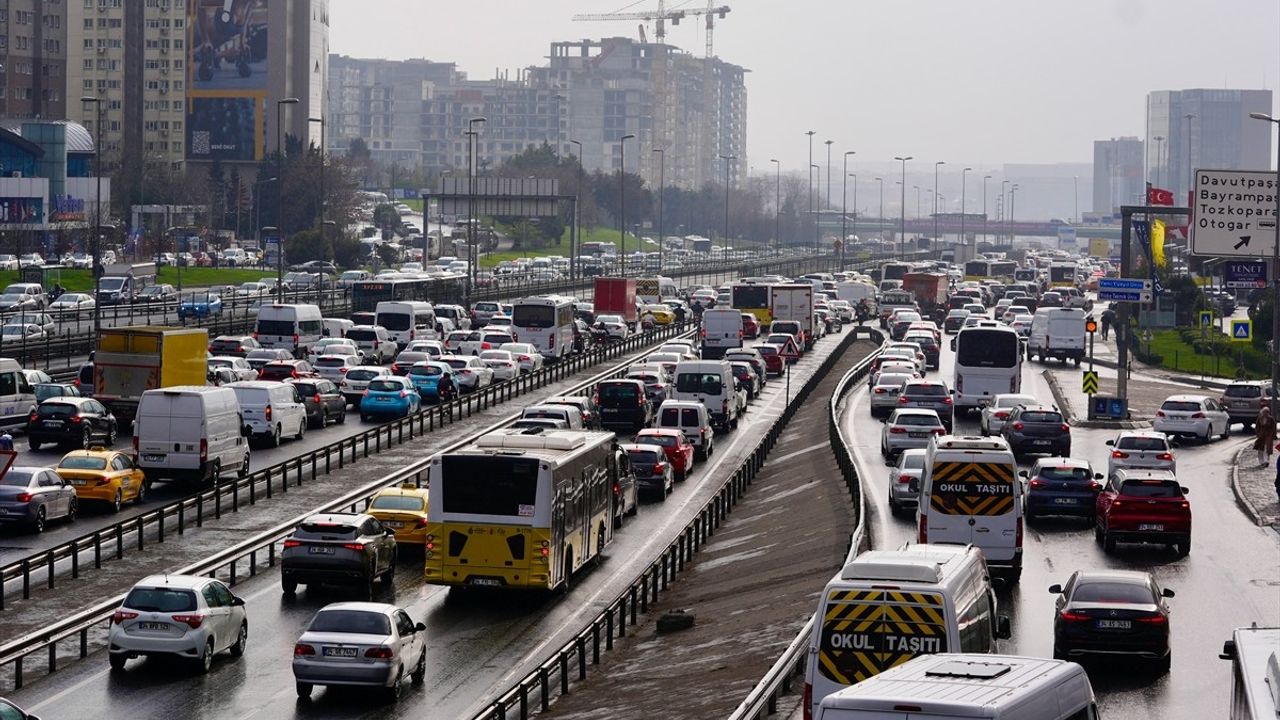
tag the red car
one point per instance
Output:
(673, 442)
(772, 355)
(1143, 505)
(788, 344)
(750, 326)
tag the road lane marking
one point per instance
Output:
(801, 451)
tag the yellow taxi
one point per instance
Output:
(662, 314)
(404, 510)
(103, 475)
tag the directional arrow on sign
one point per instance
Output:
(1244, 242)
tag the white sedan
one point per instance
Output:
(997, 411)
(503, 364)
(434, 348)
(333, 346)
(74, 305)
(471, 372)
(335, 367)
(613, 325)
(25, 332)
(237, 365)
(527, 355)
(1197, 416)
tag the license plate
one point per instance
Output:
(1115, 624)
(489, 582)
(1064, 501)
(918, 435)
(1039, 442)
(393, 524)
(153, 626)
(1155, 527)
(53, 423)
(320, 550)
(153, 458)
(77, 482)
(343, 652)
(383, 400)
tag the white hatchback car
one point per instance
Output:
(1141, 449)
(526, 355)
(1197, 416)
(360, 643)
(183, 616)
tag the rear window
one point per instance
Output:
(357, 622)
(362, 335)
(270, 371)
(1142, 443)
(81, 462)
(16, 478)
(920, 420)
(1041, 417)
(663, 440)
(707, 383)
(459, 336)
(618, 392)
(1151, 488)
(456, 364)
(765, 350)
(361, 374)
(162, 600)
(324, 530)
(1113, 592)
(1244, 391)
(1065, 473)
(926, 390)
(497, 338)
(425, 370)
(328, 361)
(914, 461)
(397, 502)
(50, 409)
(687, 417)
(306, 388)
(385, 386)
(644, 456)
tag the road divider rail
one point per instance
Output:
(554, 675)
(762, 701)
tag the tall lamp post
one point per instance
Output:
(622, 197)
(963, 205)
(1275, 282)
(1075, 198)
(828, 143)
(662, 185)
(812, 217)
(777, 206)
(324, 198)
(573, 236)
(817, 231)
(936, 165)
(473, 147)
(880, 220)
(280, 148)
(902, 228)
(727, 159)
(844, 204)
(1013, 195)
(96, 238)
(1000, 234)
(257, 224)
(985, 178)
(1190, 180)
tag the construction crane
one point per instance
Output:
(662, 15)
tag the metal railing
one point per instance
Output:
(563, 666)
(763, 698)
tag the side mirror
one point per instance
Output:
(420, 627)
(1023, 474)
(1167, 593)
(1056, 589)
(1003, 631)
(1111, 443)
(237, 601)
(1097, 476)
(1185, 489)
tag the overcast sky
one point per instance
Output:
(980, 82)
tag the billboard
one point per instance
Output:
(227, 79)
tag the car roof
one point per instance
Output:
(1135, 577)
(185, 582)
(402, 491)
(1186, 398)
(1142, 433)
(67, 399)
(383, 608)
(916, 411)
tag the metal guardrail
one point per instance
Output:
(78, 626)
(763, 698)
(573, 658)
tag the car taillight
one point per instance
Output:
(1064, 428)
(32, 417)
(192, 621)
(1037, 482)
(947, 400)
(1018, 426)
(897, 430)
(75, 419)
(358, 547)
(881, 391)
(1072, 616)
(617, 488)
(1018, 534)
(204, 449)
(524, 358)
(135, 444)
(23, 497)
(1165, 456)
(923, 536)
(939, 431)
(960, 383)
(1119, 455)
(295, 340)
(1197, 416)
(903, 400)
(292, 544)
(1153, 620)
(1160, 413)
(303, 649)
(255, 334)
(484, 345)
(119, 616)
(378, 653)
(365, 393)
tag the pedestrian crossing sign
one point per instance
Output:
(1206, 318)
(1241, 330)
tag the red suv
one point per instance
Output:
(772, 355)
(1143, 505)
(673, 442)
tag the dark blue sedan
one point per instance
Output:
(1061, 486)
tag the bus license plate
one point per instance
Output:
(1115, 624)
(1155, 527)
(488, 582)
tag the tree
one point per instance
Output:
(304, 246)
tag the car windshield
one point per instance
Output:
(82, 462)
(385, 386)
(1112, 592)
(1151, 488)
(1065, 472)
(356, 622)
(1138, 442)
(162, 600)
(409, 503)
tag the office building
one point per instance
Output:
(1117, 174)
(48, 183)
(33, 59)
(1218, 135)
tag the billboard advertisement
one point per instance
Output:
(227, 79)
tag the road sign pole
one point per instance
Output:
(1122, 316)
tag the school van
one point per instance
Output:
(191, 433)
(970, 494)
(289, 327)
(408, 321)
(17, 397)
(1057, 332)
(886, 607)
(721, 332)
(711, 383)
(960, 686)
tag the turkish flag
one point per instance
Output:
(1159, 196)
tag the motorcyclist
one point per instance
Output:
(863, 311)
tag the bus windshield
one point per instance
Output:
(479, 485)
(978, 347)
(750, 296)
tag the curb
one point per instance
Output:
(1072, 419)
(1241, 500)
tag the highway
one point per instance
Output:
(1230, 579)
(478, 643)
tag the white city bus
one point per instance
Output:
(547, 323)
(988, 363)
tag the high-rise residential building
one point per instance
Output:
(33, 59)
(1204, 128)
(1117, 174)
(415, 113)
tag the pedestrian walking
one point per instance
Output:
(1108, 319)
(1264, 432)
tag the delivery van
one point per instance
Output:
(1057, 332)
(192, 433)
(710, 382)
(17, 397)
(289, 327)
(886, 607)
(721, 332)
(970, 494)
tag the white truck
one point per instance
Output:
(794, 303)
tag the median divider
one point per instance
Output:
(762, 701)
(569, 663)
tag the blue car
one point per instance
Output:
(434, 380)
(389, 397)
(199, 305)
(1061, 486)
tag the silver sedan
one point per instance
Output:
(909, 428)
(360, 643)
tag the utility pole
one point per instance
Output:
(936, 165)
(963, 205)
(1275, 279)
(844, 205)
(573, 235)
(985, 178)
(726, 159)
(662, 186)
(812, 218)
(902, 230)
(777, 207)
(828, 144)
(622, 198)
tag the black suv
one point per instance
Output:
(340, 549)
(1037, 429)
(323, 401)
(624, 404)
(79, 421)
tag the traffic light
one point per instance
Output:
(1090, 325)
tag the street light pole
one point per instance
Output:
(622, 197)
(280, 148)
(1275, 280)
(813, 219)
(963, 205)
(1075, 198)
(726, 159)
(1003, 220)
(844, 205)
(902, 228)
(96, 237)
(777, 207)
(936, 165)
(323, 198)
(1013, 195)
(814, 170)
(985, 178)
(880, 222)
(473, 149)
(1190, 180)
(573, 235)
(828, 144)
(662, 186)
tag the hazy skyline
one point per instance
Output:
(981, 83)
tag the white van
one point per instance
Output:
(270, 410)
(17, 397)
(1057, 332)
(710, 382)
(887, 606)
(692, 419)
(336, 327)
(190, 433)
(960, 686)
(289, 327)
(970, 494)
(571, 416)
(407, 321)
(721, 332)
